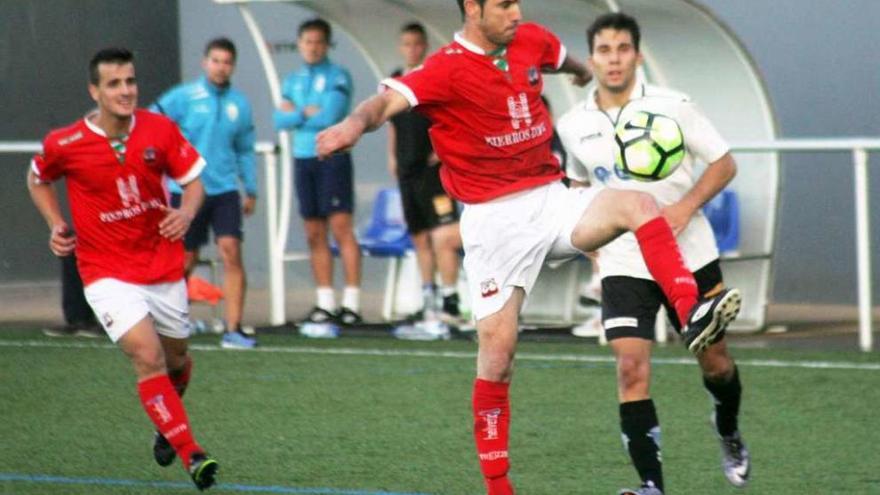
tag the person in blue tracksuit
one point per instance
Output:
(316, 96)
(217, 119)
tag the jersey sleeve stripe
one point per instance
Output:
(402, 89)
(36, 171)
(563, 52)
(194, 172)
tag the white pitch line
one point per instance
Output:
(523, 356)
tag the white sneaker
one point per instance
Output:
(423, 330)
(592, 327)
(319, 330)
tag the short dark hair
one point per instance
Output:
(617, 21)
(112, 55)
(415, 28)
(461, 5)
(221, 43)
(316, 23)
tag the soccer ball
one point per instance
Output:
(650, 147)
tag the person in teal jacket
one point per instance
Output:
(217, 119)
(315, 97)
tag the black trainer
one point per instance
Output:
(319, 315)
(202, 470)
(163, 452)
(346, 316)
(709, 318)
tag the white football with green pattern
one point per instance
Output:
(650, 146)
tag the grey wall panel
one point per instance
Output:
(45, 47)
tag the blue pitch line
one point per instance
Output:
(523, 356)
(176, 485)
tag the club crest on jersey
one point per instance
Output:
(519, 110)
(149, 154)
(534, 76)
(232, 111)
(488, 287)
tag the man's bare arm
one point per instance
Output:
(61, 242)
(367, 117)
(580, 73)
(715, 178)
(177, 220)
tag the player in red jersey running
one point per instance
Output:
(128, 240)
(492, 134)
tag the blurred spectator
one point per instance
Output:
(431, 214)
(216, 118)
(315, 97)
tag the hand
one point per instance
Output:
(433, 160)
(678, 215)
(287, 106)
(175, 224)
(582, 79)
(311, 110)
(62, 241)
(339, 138)
(249, 205)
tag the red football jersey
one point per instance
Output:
(490, 128)
(116, 203)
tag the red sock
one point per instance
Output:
(165, 409)
(666, 265)
(180, 378)
(491, 425)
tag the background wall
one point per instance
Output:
(45, 48)
(815, 57)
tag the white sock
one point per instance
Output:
(326, 299)
(428, 297)
(448, 290)
(351, 298)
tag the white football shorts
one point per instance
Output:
(120, 305)
(507, 240)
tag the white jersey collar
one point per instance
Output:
(639, 91)
(459, 38)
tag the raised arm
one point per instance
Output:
(580, 73)
(367, 117)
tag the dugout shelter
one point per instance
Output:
(684, 46)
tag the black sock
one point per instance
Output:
(641, 436)
(727, 396)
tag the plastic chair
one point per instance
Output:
(386, 234)
(723, 214)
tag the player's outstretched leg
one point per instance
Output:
(705, 320)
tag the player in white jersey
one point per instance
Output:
(631, 298)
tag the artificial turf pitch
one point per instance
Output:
(369, 416)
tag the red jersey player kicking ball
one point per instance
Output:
(492, 134)
(128, 241)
